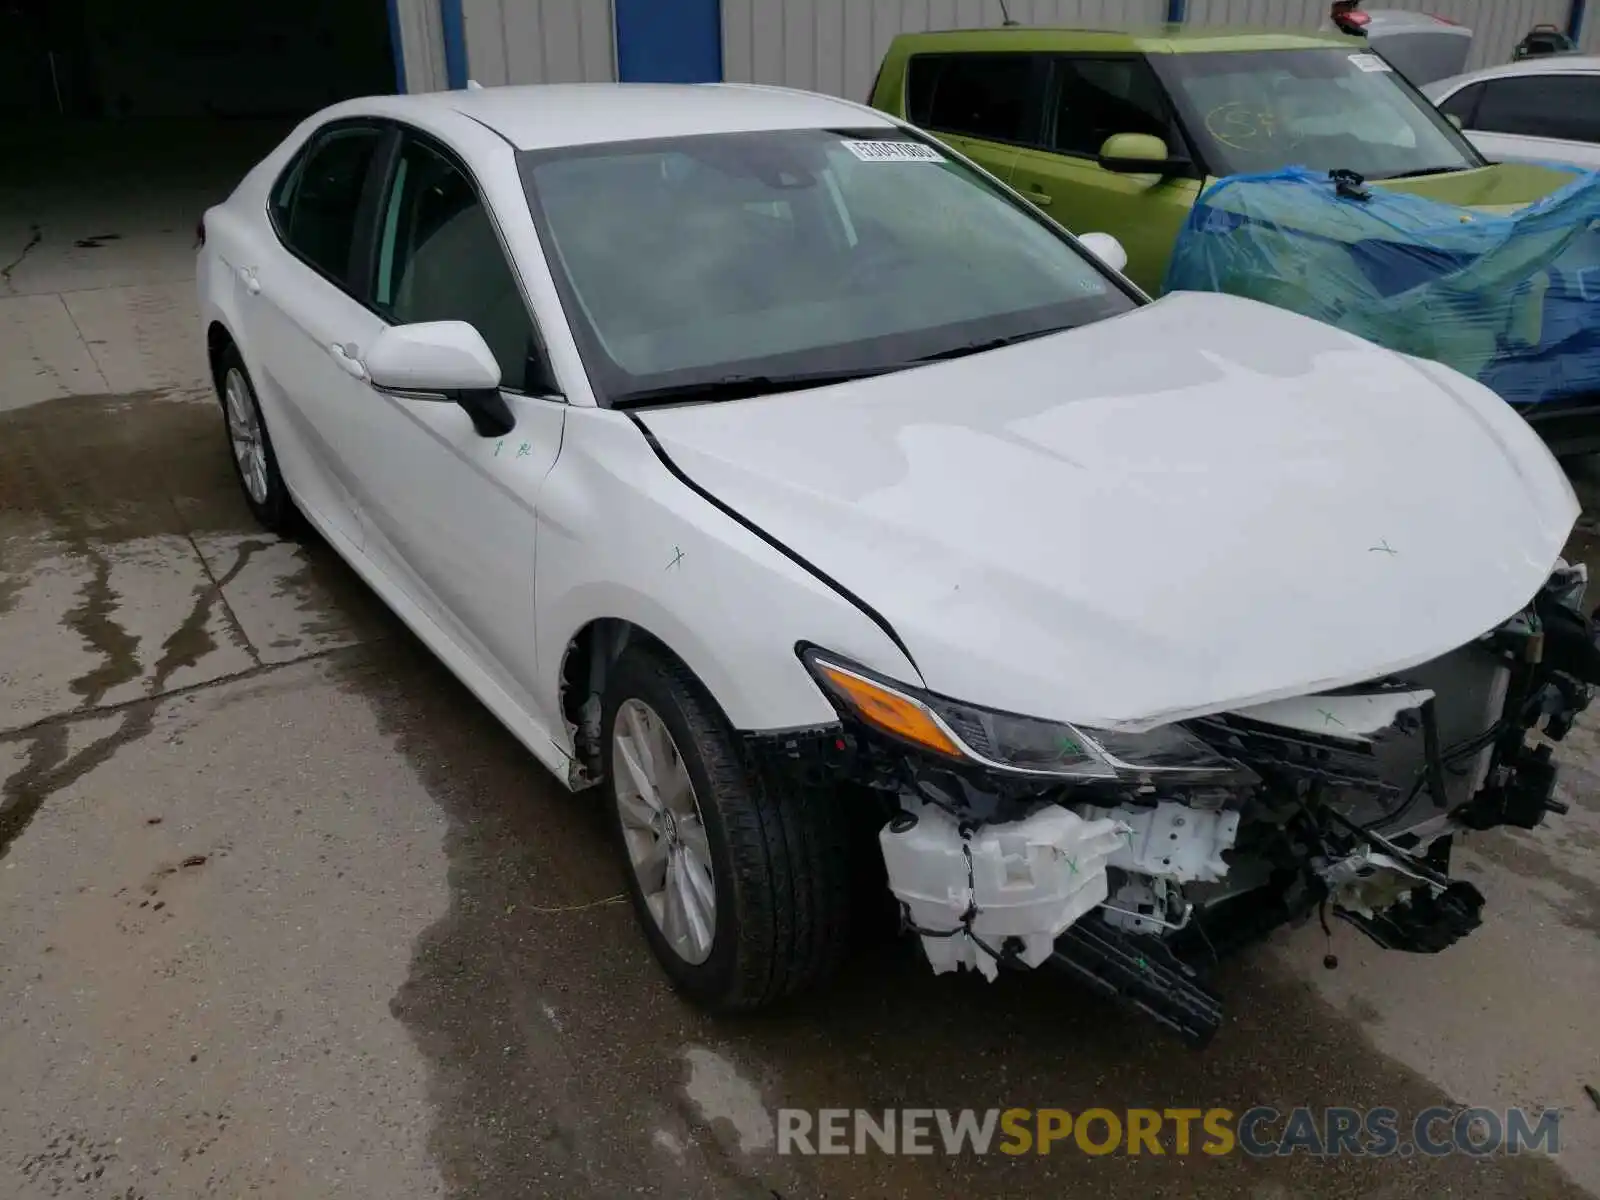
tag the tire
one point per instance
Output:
(255, 463)
(779, 863)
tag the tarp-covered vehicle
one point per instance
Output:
(1512, 300)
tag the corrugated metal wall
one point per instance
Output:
(422, 44)
(539, 41)
(835, 45)
(1497, 25)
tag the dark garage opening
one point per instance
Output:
(122, 120)
(189, 58)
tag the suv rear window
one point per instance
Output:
(981, 95)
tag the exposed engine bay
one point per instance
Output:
(1342, 805)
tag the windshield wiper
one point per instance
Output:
(742, 387)
(991, 344)
(1420, 174)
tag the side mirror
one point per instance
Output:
(443, 360)
(434, 356)
(1139, 154)
(1454, 120)
(1106, 248)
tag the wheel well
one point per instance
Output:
(585, 667)
(218, 342)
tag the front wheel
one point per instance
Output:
(740, 882)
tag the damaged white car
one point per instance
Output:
(787, 481)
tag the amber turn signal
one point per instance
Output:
(888, 710)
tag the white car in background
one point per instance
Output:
(775, 473)
(1544, 109)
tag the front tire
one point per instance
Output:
(740, 882)
(254, 460)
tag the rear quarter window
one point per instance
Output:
(317, 201)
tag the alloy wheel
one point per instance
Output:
(244, 432)
(664, 831)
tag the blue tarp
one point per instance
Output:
(1513, 301)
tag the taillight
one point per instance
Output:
(1348, 18)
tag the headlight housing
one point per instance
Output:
(1013, 744)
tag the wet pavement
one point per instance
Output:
(283, 911)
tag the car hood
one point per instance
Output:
(1203, 504)
(1501, 189)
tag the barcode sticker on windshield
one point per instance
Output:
(1370, 63)
(894, 152)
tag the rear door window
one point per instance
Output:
(1550, 106)
(316, 203)
(988, 96)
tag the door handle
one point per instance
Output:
(1042, 199)
(247, 276)
(345, 356)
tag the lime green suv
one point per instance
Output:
(1119, 132)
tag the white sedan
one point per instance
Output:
(771, 470)
(1541, 110)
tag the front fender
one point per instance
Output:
(620, 536)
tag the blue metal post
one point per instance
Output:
(1176, 11)
(1575, 21)
(397, 47)
(455, 42)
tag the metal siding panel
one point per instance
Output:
(486, 49)
(738, 41)
(830, 43)
(539, 41)
(422, 42)
(798, 18)
(522, 28)
(1270, 14)
(597, 40)
(860, 60)
(563, 43)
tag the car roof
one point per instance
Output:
(544, 116)
(1544, 64)
(1156, 39)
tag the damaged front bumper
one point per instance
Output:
(1343, 804)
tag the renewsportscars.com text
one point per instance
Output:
(1259, 1132)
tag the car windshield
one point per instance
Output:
(781, 259)
(1332, 109)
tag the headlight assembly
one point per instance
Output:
(1015, 744)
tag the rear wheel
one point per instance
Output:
(253, 458)
(740, 882)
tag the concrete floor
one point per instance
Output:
(284, 912)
